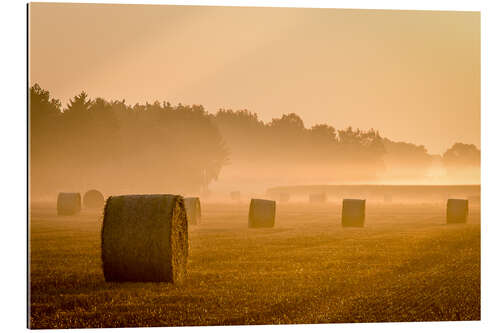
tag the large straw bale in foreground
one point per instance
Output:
(68, 203)
(261, 213)
(457, 211)
(353, 213)
(144, 238)
(193, 210)
(93, 199)
(317, 197)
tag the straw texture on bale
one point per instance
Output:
(235, 195)
(457, 211)
(262, 213)
(68, 203)
(144, 238)
(387, 198)
(353, 213)
(317, 197)
(193, 210)
(93, 199)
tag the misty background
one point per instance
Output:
(164, 148)
(412, 75)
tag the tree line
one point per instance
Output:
(112, 145)
(161, 147)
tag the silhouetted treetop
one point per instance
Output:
(42, 105)
(461, 154)
(118, 146)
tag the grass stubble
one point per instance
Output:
(406, 264)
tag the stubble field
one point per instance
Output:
(405, 265)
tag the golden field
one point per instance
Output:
(406, 264)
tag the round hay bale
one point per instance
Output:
(261, 213)
(68, 203)
(93, 199)
(144, 238)
(474, 200)
(457, 211)
(317, 197)
(193, 210)
(235, 195)
(353, 212)
(284, 197)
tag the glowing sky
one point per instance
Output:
(413, 75)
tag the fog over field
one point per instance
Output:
(158, 148)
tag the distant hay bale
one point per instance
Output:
(193, 210)
(457, 211)
(262, 213)
(279, 196)
(93, 199)
(317, 197)
(235, 195)
(353, 213)
(284, 197)
(144, 238)
(68, 203)
(474, 200)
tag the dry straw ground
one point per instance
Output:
(405, 265)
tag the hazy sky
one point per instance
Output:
(415, 76)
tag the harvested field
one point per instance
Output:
(406, 264)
